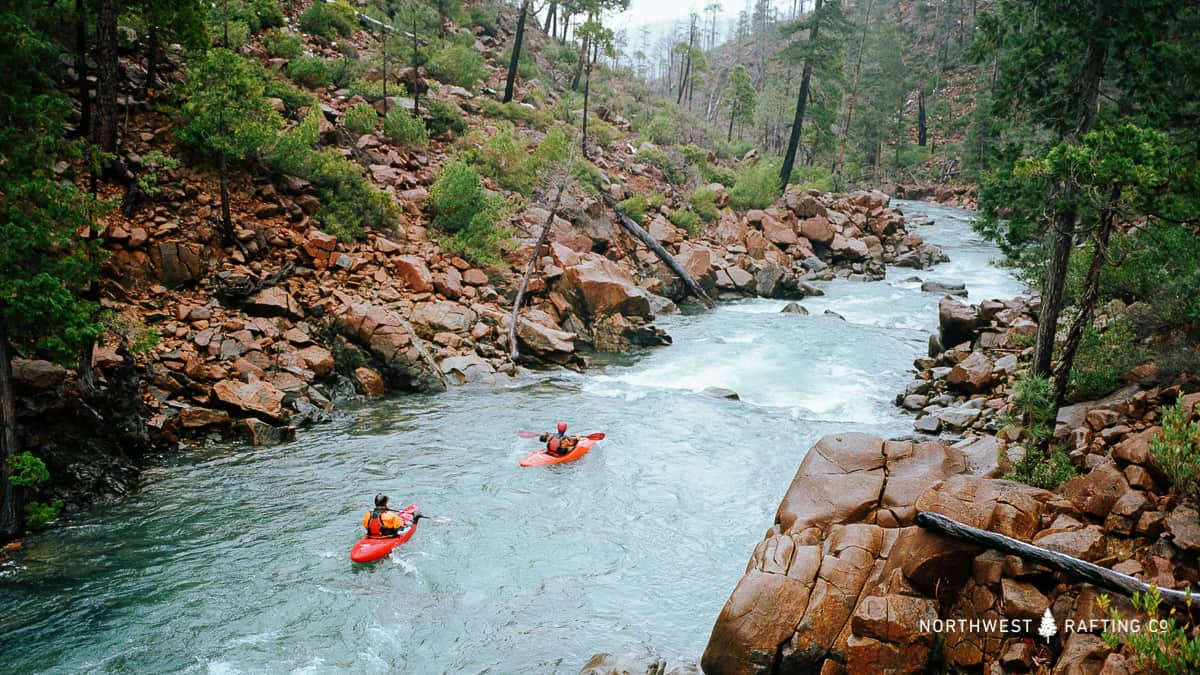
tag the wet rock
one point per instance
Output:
(258, 399)
(849, 249)
(956, 322)
(469, 368)
(1095, 492)
(636, 664)
(536, 330)
(369, 382)
(973, 374)
(383, 333)
(274, 301)
(606, 288)
(794, 308)
(945, 288)
(830, 312)
(317, 359)
(262, 434)
(196, 417)
(721, 392)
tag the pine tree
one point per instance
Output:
(741, 98)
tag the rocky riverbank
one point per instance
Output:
(844, 579)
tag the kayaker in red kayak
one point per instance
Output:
(560, 443)
(384, 521)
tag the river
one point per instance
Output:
(232, 559)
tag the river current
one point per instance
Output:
(233, 559)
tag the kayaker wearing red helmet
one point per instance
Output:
(558, 443)
(384, 521)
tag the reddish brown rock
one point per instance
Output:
(956, 322)
(274, 301)
(1096, 492)
(972, 375)
(1086, 543)
(1135, 448)
(196, 417)
(369, 382)
(475, 277)
(604, 287)
(258, 399)
(382, 332)
(778, 232)
(414, 273)
(449, 283)
(317, 359)
(536, 330)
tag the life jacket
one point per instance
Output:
(375, 526)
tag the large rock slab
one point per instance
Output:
(604, 287)
(383, 333)
(257, 399)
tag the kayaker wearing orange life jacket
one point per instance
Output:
(384, 521)
(559, 443)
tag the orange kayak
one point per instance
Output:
(370, 549)
(543, 458)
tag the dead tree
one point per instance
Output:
(636, 230)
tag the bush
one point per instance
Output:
(703, 203)
(716, 174)
(1034, 411)
(261, 14)
(506, 157)
(661, 130)
(283, 45)
(310, 71)
(467, 212)
(344, 71)
(292, 97)
(1176, 450)
(591, 178)
(813, 178)
(457, 65)
(517, 112)
(1040, 471)
(1104, 356)
(27, 470)
(361, 118)
(527, 67)
(1172, 647)
(38, 514)
(685, 219)
(757, 185)
(487, 18)
(328, 20)
(635, 207)
(441, 116)
(655, 157)
(694, 155)
(601, 133)
(403, 127)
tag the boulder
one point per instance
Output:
(384, 334)
(637, 664)
(256, 399)
(317, 359)
(262, 434)
(414, 273)
(1184, 525)
(196, 417)
(817, 230)
(274, 301)
(804, 205)
(604, 287)
(444, 315)
(536, 330)
(178, 263)
(778, 232)
(944, 288)
(973, 374)
(849, 249)
(37, 374)
(956, 322)
(469, 368)
(369, 382)
(721, 392)
(794, 308)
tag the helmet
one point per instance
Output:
(554, 444)
(381, 500)
(562, 427)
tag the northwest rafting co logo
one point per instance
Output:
(1048, 628)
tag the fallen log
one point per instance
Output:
(1073, 567)
(636, 230)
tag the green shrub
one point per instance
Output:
(1034, 409)
(703, 203)
(1176, 450)
(1172, 646)
(1104, 356)
(813, 178)
(457, 65)
(262, 14)
(283, 45)
(38, 514)
(310, 71)
(715, 174)
(27, 470)
(601, 133)
(403, 127)
(659, 159)
(757, 185)
(517, 112)
(361, 118)
(487, 18)
(694, 155)
(635, 207)
(565, 57)
(328, 19)
(467, 212)
(567, 107)
(591, 178)
(504, 157)
(527, 67)
(1159, 265)
(372, 90)
(661, 130)
(441, 116)
(153, 163)
(344, 71)
(687, 220)
(292, 96)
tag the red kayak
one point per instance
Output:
(543, 458)
(370, 549)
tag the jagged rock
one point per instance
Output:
(449, 316)
(721, 392)
(973, 374)
(259, 399)
(794, 308)
(1082, 654)
(178, 263)
(956, 322)
(196, 417)
(817, 230)
(383, 333)
(1184, 525)
(958, 418)
(369, 382)
(662, 230)
(777, 232)
(849, 249)
(804, 205)
(263, 434)
(922, 257)
(469, 368)
(317, 359)
(537, 331)
(944, 288)
(449, 283)
(414, 273)
(274, 301)
(606, 288)
(768, 280)
(636, 664)
(1086, 543)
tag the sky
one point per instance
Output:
(660, 14)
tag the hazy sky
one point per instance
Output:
(659, 14)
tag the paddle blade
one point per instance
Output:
(598, 436)
(528, 434)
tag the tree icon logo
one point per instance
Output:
(1049, 628)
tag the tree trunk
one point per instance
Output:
(789, 159)
(551, 19)
(516, 54)
(416, 92)
(10, 518)
(636, 230)
(853, 91)
(385, 75)
(732, 115)
(922, 130)
(1091, 292)
(1063, 217)
(584, 50)
(513, 352)
(151, 61)
(81, 70)
(687, 71)
(226, 221)
(587, 86)
(106, 56)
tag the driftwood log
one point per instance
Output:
(636, 230)
(1072, 567)
(513, 352)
